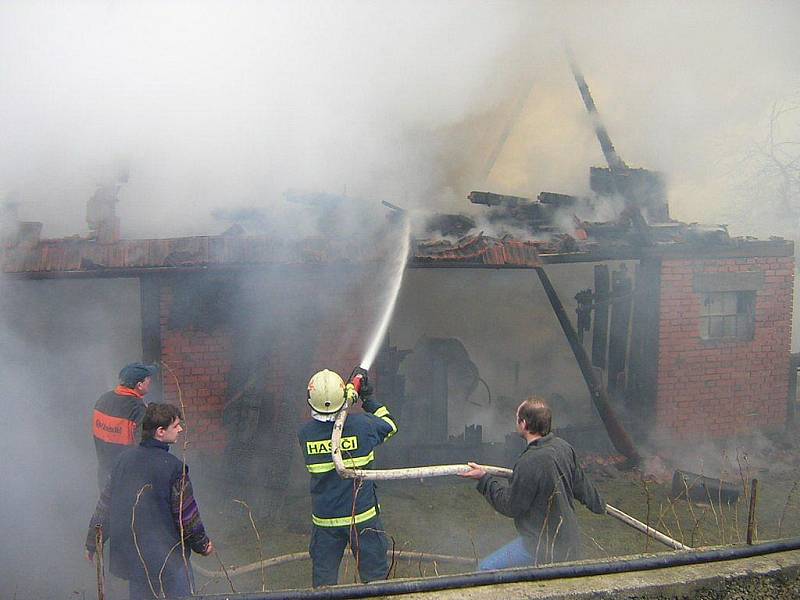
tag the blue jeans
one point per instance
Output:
(513, 554)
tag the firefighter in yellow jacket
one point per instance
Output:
(343, 511)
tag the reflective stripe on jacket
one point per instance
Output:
(333, 503)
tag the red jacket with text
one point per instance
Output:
(116, 422)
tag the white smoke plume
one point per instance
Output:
(227, 105)
(215, 110)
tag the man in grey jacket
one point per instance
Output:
(540, 496)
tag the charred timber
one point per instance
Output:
(612, 158)
(639, 187)
(492, 199)
(616, 432)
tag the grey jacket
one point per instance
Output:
(540, 497)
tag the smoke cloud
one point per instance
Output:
(217, 106)
(223, 112)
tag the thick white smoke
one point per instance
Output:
(217, 109)
(224, 105)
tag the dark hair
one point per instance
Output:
(536, 414)
(158, 415)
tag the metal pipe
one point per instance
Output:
(448, 582)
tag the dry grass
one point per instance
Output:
(448, 516)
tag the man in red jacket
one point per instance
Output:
(150, 486)
(118, 416)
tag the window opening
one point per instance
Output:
(727, 315)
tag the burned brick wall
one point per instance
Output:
(242, 346)
(724, 342)
(199, 362)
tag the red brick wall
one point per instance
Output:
(199, 363)
(717, 388)
(298, 342)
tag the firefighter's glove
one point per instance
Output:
(366, 388)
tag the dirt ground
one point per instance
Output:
(448, 516)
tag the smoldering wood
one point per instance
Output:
(450, 224)
(585, 300)
(640, 188)
(538, 215)
(508, 127)
(615, 163)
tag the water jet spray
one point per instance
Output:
(398, 270)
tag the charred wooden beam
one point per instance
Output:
(600, 331)
(615, 163)
(642, 380)
(492, 199)
(621, 293)
(616, 432)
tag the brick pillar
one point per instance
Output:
(199, 363)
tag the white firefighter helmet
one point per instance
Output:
(326, 392)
